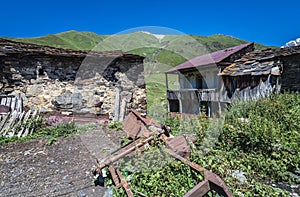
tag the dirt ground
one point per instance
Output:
(63, 169)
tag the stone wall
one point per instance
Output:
(73, 81)
(290, 77)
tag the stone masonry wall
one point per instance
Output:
(100, 84)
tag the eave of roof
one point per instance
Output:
(210, 58)
(12, 47)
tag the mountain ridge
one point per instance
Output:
(85, 40)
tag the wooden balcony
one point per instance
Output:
(211, 95)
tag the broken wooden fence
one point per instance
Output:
(143, 130)
(13, 120)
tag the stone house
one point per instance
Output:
(47, 78)
(214, 79)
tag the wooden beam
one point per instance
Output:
(199, 190)
(125, 184)
(114, 176)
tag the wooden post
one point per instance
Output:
(122, 110)
(117, 105)
(167, 82)
(180, 101)
(167, 89)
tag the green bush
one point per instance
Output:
(115, 125)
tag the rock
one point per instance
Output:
(68, 100)
(35, 101)
(9, 161)
(8, 90)
(126, 95)
(77, 99)
(81, 194)
(67, 113)
(294, 194)
(34, 90)
(239, 175)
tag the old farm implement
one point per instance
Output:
(144, 130)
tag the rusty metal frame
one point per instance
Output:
(211, 180)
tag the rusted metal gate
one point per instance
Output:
(13, 118)
(143, 130)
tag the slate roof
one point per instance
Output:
(11, 47)
(210, 58)
(262, 62)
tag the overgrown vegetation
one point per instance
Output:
(259, 138)
(116, 126)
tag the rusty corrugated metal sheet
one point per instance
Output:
(179, 145)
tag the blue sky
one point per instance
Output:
(265, 21)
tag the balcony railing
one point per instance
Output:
(201, 94)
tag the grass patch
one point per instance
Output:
(50, 132)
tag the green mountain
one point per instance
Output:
(88, 40)
(161, 52)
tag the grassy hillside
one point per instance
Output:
(69, 40)
(88, 40)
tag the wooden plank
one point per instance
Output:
(26, 132)
(13, 104)
(10, 123)
(19, 106)
(8, 101)
(3, 101)
(199, 190)
(117, 106)
(217, 184)
(122, 110)
(24, 121)
(35, 116)
(114, 176)
(3, 121)
(125, 184)
(20, 118)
